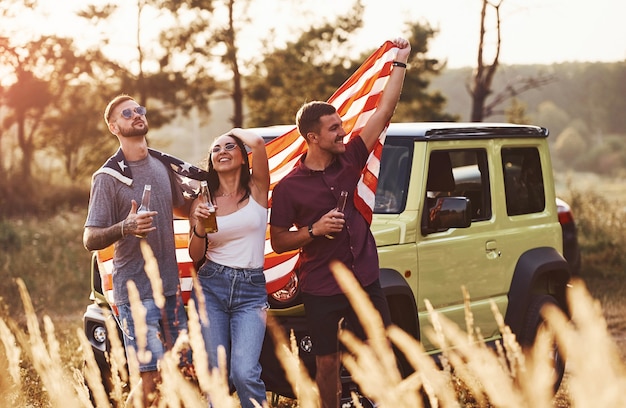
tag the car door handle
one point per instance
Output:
(491, 248)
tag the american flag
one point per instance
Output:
(356, 101)
(187, 176)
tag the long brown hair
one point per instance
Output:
(213, 179)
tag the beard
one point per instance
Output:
(132, 131)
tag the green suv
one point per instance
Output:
(457, 204)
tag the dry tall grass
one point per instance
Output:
(599, 211)
(472, 374)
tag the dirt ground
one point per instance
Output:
(611, 293)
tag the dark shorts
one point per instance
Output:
(323, 314)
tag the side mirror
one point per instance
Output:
(444, 213)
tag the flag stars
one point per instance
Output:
(185, 166)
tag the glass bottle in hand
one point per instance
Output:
(145, 205)
(341, 202)
(210, 223)
(341, 205)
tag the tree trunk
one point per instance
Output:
(478, 102)
(27, 150)
(484, 73)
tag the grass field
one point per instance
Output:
(589, 344)
(43, 355)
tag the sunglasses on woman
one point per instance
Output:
(227, 147)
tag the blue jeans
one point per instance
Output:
(163, 329)
(236, 305)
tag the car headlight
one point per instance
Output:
(287, 292)
(100, 334)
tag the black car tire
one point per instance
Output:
(533, 321)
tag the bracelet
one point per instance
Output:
(123, 228)
(398, 64)
(311, 231)
(198, 235)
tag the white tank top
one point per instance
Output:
(240, 239)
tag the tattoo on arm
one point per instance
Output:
(130, 227)
(100, 238)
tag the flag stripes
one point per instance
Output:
(356, 101)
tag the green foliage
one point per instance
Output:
(516, 113)
(52, 106)
(605, 156)
(79, 145)
(311, 68)
(40, 198)
(318, 63)
(584, 98)
(552, 117)
(417, 101)
(570, 145)
(591, 92)
(49, 256)
(9, 239)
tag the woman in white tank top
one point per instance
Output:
(231, 275)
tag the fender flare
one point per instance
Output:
(397, 289)
(96, 279)
(538, 271)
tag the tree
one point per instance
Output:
(228, 36)
(480, 87)
(204, 40)
(516, 113)
(79, 145)
(553, 117)
(39, 112)
(417, 103)
(42, 70)
(484, 73)
(173, 82)
(319, 62)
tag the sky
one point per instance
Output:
(533, 31)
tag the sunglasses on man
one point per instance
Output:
(128, 112)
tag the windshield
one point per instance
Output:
(393, 179)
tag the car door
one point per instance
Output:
(461, 257)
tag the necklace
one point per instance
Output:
(227, 194)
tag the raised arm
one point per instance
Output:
(389, 98)
(260, 175)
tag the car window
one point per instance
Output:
(461, 173)
(393, 178)
(523, 180)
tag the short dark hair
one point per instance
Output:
(114, 102)
(309, 114)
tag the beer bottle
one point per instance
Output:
(145, 204)
(210, 223)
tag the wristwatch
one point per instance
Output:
(311, 231)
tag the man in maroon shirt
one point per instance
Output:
(306, 198)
